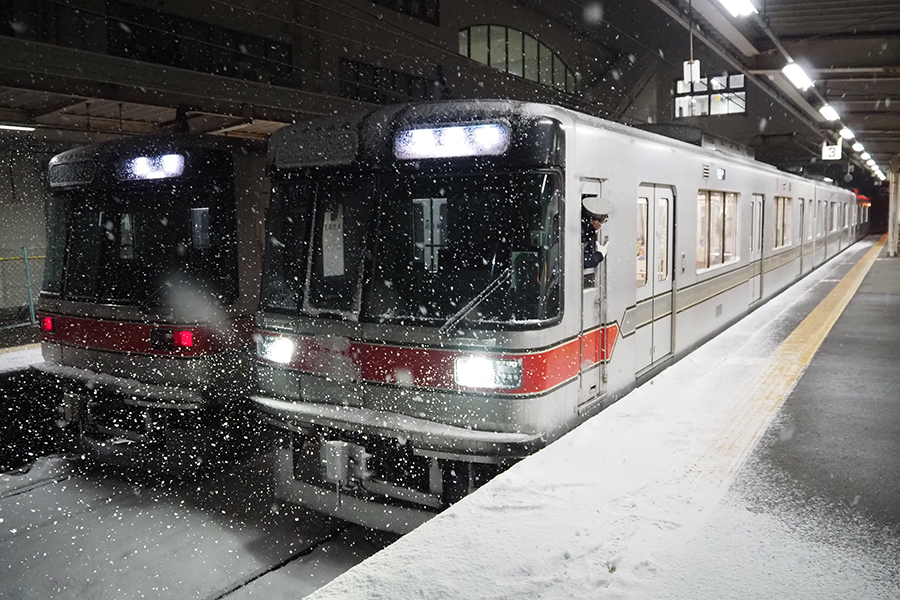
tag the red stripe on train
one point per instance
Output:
(146, 338)
(434, 368)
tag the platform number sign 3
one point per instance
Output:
(831, 152)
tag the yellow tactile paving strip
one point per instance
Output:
(760, 401)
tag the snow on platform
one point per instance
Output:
(19, 358)
(638, 502)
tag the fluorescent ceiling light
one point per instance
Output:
(870, 162)
(739, 8)
(857, 147)
(829, 113)
(16, 128)
(798, 76)
(865, 156)
(847, 134)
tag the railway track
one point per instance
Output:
(70, 529)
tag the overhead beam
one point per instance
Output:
(45, 67)
(834, 54)
(101, 124)
(14, 115)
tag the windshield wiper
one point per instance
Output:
(458, 317)
(146, 303)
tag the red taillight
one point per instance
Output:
(184, 339)
(47, 324)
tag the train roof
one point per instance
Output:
(153, 144)
(338, 140)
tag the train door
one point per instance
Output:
(756, 246)
(593, 305)
(655, 300)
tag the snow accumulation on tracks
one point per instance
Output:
(69, 529)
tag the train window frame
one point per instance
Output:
(662, 239)
(810, 214)
(756, 224)
(643, 224)
(717, 212)
(822, 219)
(783, 232)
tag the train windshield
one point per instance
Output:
(481, 248)
(316, 241)
(135, 247)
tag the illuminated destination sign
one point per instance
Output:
(452, 141)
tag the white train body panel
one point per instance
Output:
(359, 381)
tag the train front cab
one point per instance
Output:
(150, 287)
(419, 329)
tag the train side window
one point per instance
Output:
(702, 229)
(809, 212)
(729, 241)
(782, 221)
(716, 228)
(662, 240)
(822, 218)
(642, 232)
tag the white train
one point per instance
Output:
(426, 317)
(151, 284)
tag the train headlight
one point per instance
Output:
(484, 372)
(152, 167)
(275, 349)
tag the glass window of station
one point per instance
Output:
(517, 53)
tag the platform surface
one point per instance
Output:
(763, 465)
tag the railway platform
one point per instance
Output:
(765, 464)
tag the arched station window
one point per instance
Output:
(517, 53)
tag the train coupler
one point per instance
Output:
(343, 463)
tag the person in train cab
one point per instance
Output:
(594, 251)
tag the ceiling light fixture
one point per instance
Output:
(847, 134)
(857, 147)
(829, 113)
(16, 128)
(797, 76)
(739, 8)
